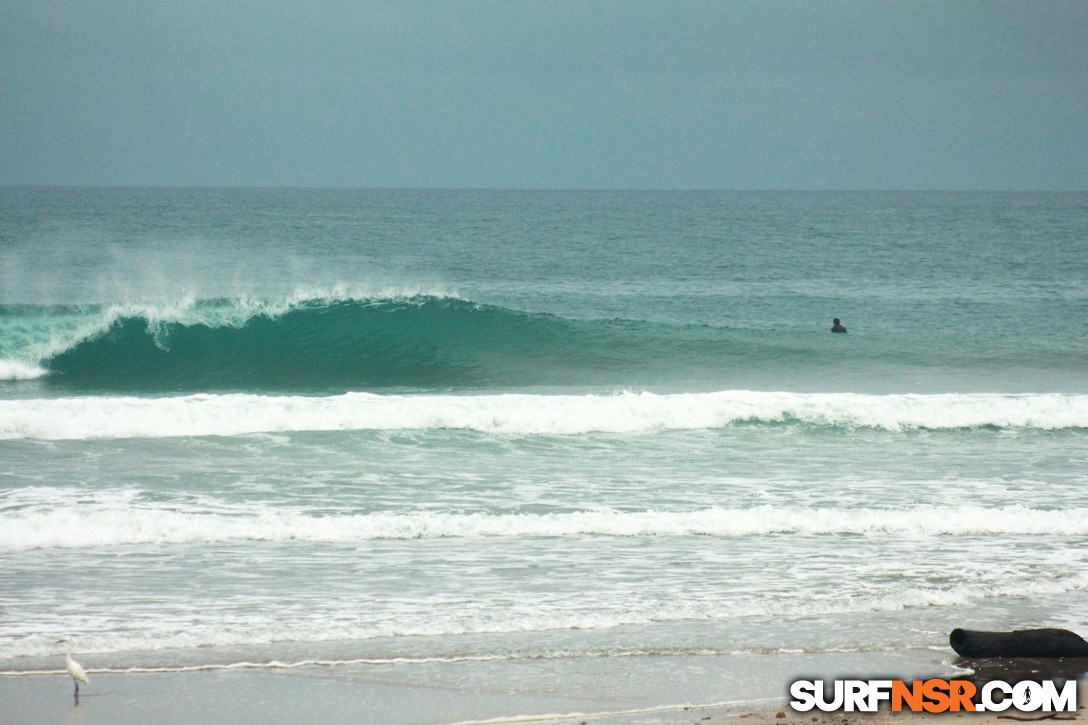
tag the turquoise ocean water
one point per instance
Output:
(519, 436)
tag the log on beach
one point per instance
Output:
(1042, 643)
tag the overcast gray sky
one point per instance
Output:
(825, 94)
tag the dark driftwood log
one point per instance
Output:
(1020, 643)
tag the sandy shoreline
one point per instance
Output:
(332, 695)
(603, 691)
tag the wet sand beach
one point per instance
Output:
(358, 694)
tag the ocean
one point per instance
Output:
(596, 445)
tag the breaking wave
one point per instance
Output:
(324, 344)
(79, 418)
(89, 525)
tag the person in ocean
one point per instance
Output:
(836, 326)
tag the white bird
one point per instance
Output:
(74, 668)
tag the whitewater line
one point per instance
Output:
(93, 525)
(525, 414)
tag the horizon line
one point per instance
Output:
(546, 189)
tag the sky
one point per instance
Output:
(614, 94)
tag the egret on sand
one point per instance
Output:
(74, 668)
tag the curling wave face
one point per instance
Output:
(338, 343)
(319, 344)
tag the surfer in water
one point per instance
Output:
(836, 326)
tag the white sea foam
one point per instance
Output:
(87, 525)
(241, 628)
(237, 311)
(17, 370)
(228, 415)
